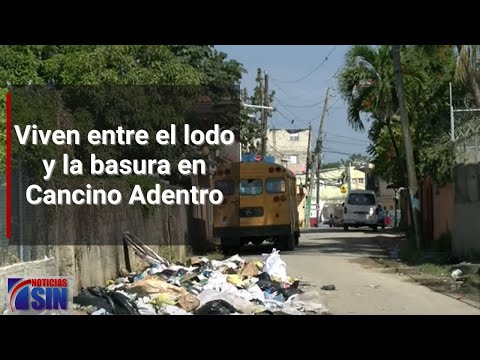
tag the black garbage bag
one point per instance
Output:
(266, 284)
(123, 304)
(264, 276)
(269, 286)
(96, 297)
(286, 293)
(216, 307)
(113, 302)
(167, 273)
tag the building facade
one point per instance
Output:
(331, 196)
(290, 148)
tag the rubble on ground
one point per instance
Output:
(200, 287)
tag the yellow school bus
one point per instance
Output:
(260, 204)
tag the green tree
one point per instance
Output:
(369, 88)
(367, 84)
(181, 66)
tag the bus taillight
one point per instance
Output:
(276, 199)
(227, 172)
(271, 170)
(283, 198)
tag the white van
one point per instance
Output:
(360, 209)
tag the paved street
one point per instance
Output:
(343, 259)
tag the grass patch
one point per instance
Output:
(434, 269)
(473, 280)
(216, 255)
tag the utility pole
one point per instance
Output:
(318, 153)
(307, 180)
(349, 176)
(412, 176)
(265, 101)
(308, 183)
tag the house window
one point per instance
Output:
(360, 181)
(294, 137)
(293, 159)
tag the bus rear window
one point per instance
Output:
(227, 187)
(275, 186)
(251, 187)
(361, 199)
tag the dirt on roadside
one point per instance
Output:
(433, 270)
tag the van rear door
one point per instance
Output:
(360, 208)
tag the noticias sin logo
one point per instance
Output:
(40, 296)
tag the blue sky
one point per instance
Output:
(295, 92)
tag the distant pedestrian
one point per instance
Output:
(388, 219)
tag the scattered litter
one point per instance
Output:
(201, 287)
(374, 286)
(468, 268)
(328, 287)
(100, 312)
(274, 265)
(457, 274)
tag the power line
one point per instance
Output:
(311, 72)
(301, 95)
(312, 105)
(304, 106)
(286, 108)
(344, 137)
(331, 151)
(344, 142)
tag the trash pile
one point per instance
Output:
(201, 287)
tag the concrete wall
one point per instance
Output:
(443, 213)
(93, 261)
(88, 240)
(46, 267)
(466, 241)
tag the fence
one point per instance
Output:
(23, 223)
(466, 134)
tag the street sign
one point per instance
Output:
(343, 189)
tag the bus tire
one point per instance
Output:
(230, 245)
(288, 242)
(230, 250)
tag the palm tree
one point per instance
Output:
(467, 64)
(412, 177)
(367, 84)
